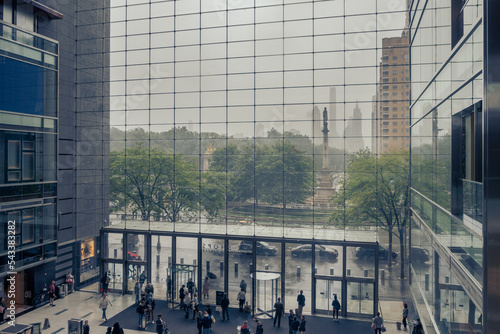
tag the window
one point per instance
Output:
(394, 57)
(20, 158)
(394, 108)
(457, 21)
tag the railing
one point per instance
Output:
(13, 33)
(473, 199)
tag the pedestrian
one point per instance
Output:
(86, 327)
(279, 312)
(3, 309)
(290, 321)
(405, 315)
(187, 306)
(117, 329)
(259, 329)
(151, 310)
(109, 330)
(241, 299)
(245, 329)
(377, 323)
(199, 324)
(295, 325)
(418, 329)
(142, 278)
(336, 307)
(302, 326)
(52, 293)
(301, 301)
(160, 325)
(140, 311)
(169, 287)
(191, 288)
(194, 305)
(137, 291)
(103, 304)
(150, 288)
(70, 280)
(105, 283)
(243, 285)
(208, 309)
(224, 304)
(181, 296)
(206, 287)
(206, 323)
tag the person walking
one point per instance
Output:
(259, 329)
(290, 321)
(137, 291)
(142, 278)
(52, 293)
(301, 302)
(279, 312)
(199, 323)
(194, 305)
(206, 287)
(405, 315)
(103, 305)
(377, 323)
(160, 324)
(182, 296)
(245, 329)
(117, 329)
(191, 288)
(241, 299)
(105, 283)
(140, 311)
(295, 325)
(3, 309)
(224, 304)
(206, 323)
(336, 308)
(243, 285)
(187, 306)
(86, 327)
(302, 326)
(418, 329)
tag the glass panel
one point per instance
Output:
(113, 245)
(329, 260)
(326, 290)
(136, 247)
(360, 298)
(240, 267)
(14, 154)
(28, 166)
(115, 274)
(212, 269)
(361, 261)
(297, 275)
(186, 265)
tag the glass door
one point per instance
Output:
(360, 299)
(326, 290)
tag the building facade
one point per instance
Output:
(53, 124)
(454, 109)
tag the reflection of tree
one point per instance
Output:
(376, 189)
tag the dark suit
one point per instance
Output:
(280, 310)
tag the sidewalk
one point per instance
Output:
(85, 305)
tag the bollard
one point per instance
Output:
(266, 267)
(116, 253)
(348, 272)
(194, 262)
(332, 272)
(221, 266)
(208, 266)
(382, 276)
(157, 261)
(298, 270)
(236, 268)
(315, 270)
(251, 267)
(446, 279)
(366, 272)
(169, 261)
(182, 260)
(427, 280)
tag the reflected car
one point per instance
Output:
(368, 253)
(133, 256)
(321, 251)
(419, 255)
(262, 248)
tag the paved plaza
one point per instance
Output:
(84, 305)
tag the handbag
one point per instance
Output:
(383, 329)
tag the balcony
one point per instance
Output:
(27, 46)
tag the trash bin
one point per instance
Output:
(398, 325)
(63, 290)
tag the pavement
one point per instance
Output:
(84, 304)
